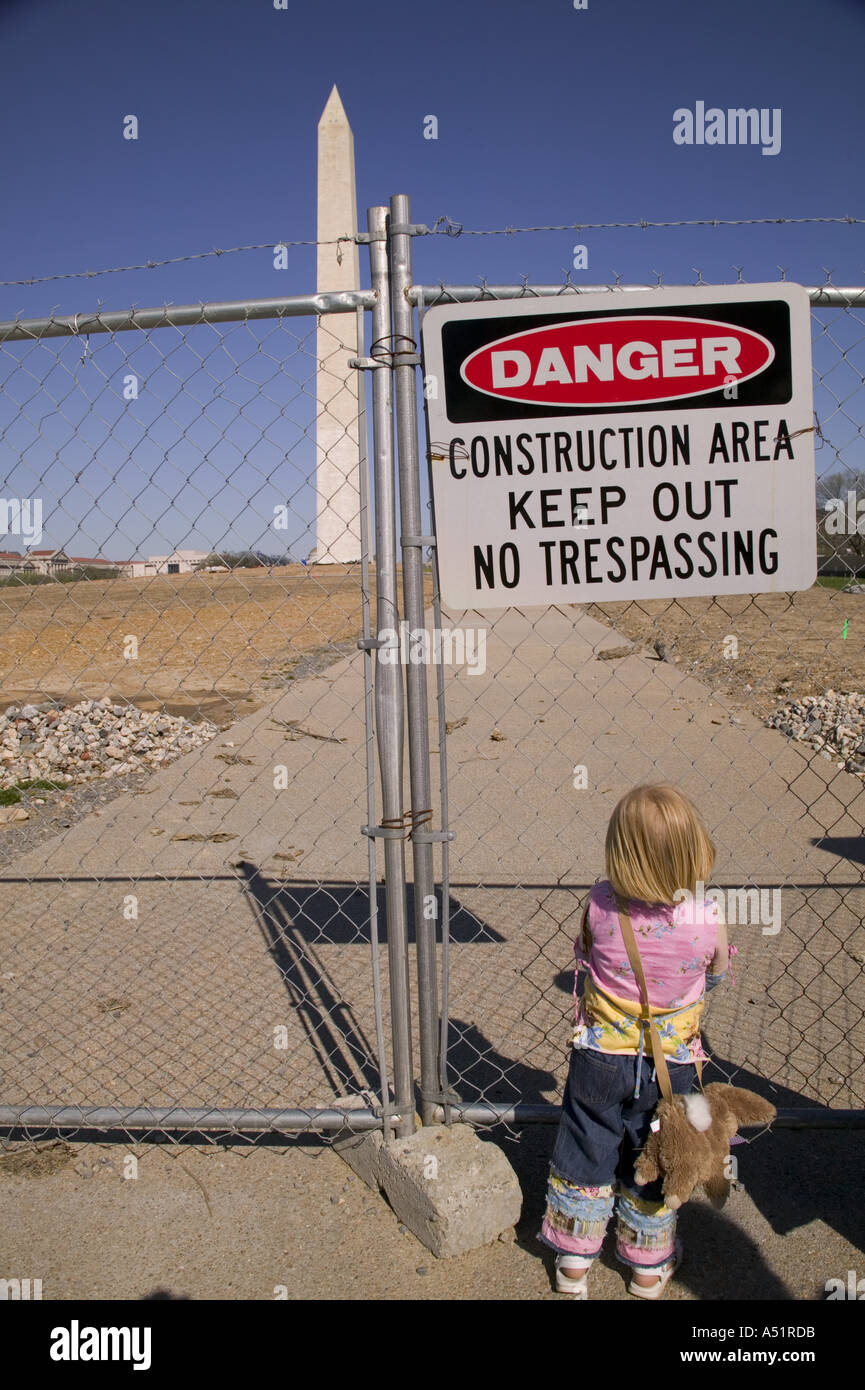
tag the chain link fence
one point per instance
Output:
(188, 751)
(752, 704)
(190, 912)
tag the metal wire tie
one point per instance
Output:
(385, 355)
(440, 1097)
(387, 1112)
(403, 827)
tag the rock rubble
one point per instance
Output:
(832, 723)
(70, 744)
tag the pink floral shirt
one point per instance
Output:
(676, 945)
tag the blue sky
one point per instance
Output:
(546, 115)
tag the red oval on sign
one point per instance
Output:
(633, 360)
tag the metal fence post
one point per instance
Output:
(389, 716)
(406, 357)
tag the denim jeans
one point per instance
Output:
(602, 1129)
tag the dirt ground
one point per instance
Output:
(786, 644)
(208, 643)
(190, 1221)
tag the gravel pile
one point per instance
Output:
(79, 743)
(831, 723)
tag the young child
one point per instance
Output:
(656, 847)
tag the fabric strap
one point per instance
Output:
(661, 1069)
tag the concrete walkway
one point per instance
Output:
(220, 956)
(251, 985)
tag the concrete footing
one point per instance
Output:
(452, 1191)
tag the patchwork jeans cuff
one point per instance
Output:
(577, 1216)
(645, 1231)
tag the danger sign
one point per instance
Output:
(660, 448)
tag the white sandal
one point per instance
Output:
(577, 1288)
(664, 1272)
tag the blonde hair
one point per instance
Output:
(657, 845)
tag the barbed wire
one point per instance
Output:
(452, 229)
(173, 260)
(457, 229)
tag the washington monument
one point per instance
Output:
(336, 384)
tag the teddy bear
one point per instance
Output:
(690, 1141)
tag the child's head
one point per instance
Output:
(657, 845)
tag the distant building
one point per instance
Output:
(179, 562)
(59, 562)
(11, 562)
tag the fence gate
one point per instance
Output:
(196, 948)
(547, 716)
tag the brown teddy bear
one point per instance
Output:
(691, 1143)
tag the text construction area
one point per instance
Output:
(661, 448)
